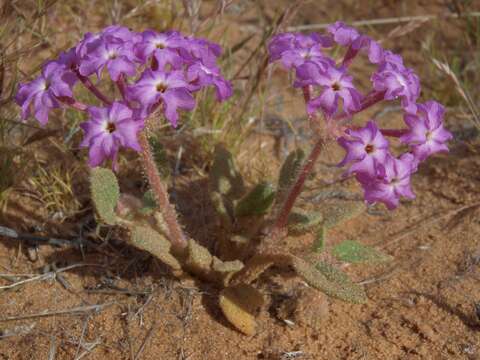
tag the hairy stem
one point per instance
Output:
(297, 187)
(91, 86)
(176, 235)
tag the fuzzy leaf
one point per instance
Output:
(328, 280)
(335, 214)
(331, 285)
(149, 203)
(257, 201)
(300, 222)
(199, 259)
(344, 288)
(156, 244)
(224, 270)
(223, 207)
(319, 241)
(288, 172)
(240, 305)
(105, 193)
(160, 157)
(354, 252)
(224, 177)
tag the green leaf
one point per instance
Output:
(257, 201)
(354, 252)
(323, 277)
(288, 172)
(336, 214)
(225, 184)
(149, 203)
(147, 239)
(319, 241)
(160, 157)
(300, 221)
(105, 193)
(224, 177)
(344, 288)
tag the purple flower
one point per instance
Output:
(426, 134)
(297, 49)
(116, 56)
(365, 148)
(392, 181)
(343, 34)
(200, 75)
(169, 88)
(199, 49)
(162, 45)
(113, 33)
(398, 82)
(334, 83)
(43, 93)
(108, 130)
(279, 44)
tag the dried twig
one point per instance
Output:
(144, 343)
(46, 276)
(84, 330)
(42, 240)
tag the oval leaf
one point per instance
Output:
(240, 304)
(353, 252)
(257, 201)
(105, 193)
(288, 172)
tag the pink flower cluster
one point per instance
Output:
(383, 176)
(151, 71)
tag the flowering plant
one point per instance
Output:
(329, 90)
(161, 72)
(151, 71)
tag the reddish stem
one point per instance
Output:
(72, 103)
(91, 86)
(176, 235)
(122, 86)
(349, 56)
(297, 187)
(369, 100)
(393, 132)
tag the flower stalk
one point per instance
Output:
(297, 187)
(282, 218)
(176, 234)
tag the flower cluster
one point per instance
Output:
(151, 71)
(330, 89)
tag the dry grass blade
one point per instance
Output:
(387, 21)
(445, 68)
(403, 30)
(72, 311)
(429, 221)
